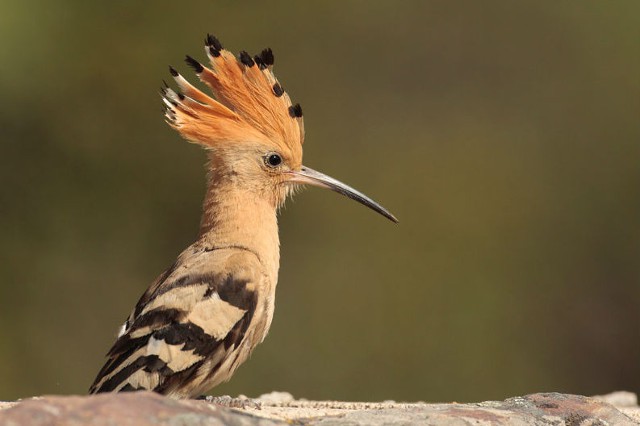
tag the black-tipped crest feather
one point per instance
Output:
(197, 67)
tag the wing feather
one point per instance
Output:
(180, 333)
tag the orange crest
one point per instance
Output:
(250, 105)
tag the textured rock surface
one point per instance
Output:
(143, 408)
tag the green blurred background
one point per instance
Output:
(504, 135)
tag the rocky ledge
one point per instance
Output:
(277, 408)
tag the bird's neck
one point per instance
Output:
(234, 216)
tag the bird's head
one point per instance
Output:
(253, 132)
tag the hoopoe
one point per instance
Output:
(202, 317)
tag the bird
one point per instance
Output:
(204, 315)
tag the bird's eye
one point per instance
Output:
(273, 160)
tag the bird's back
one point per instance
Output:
(194, 326)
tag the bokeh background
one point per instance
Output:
(504, 135)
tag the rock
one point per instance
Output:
(276, 398)
(620, 399)
(279, 408)
(124, 409)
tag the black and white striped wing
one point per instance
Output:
(181, 333)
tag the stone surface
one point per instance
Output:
(134, 409)
(145, 408)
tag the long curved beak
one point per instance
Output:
(311, 177)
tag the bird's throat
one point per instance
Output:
(233, 216)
